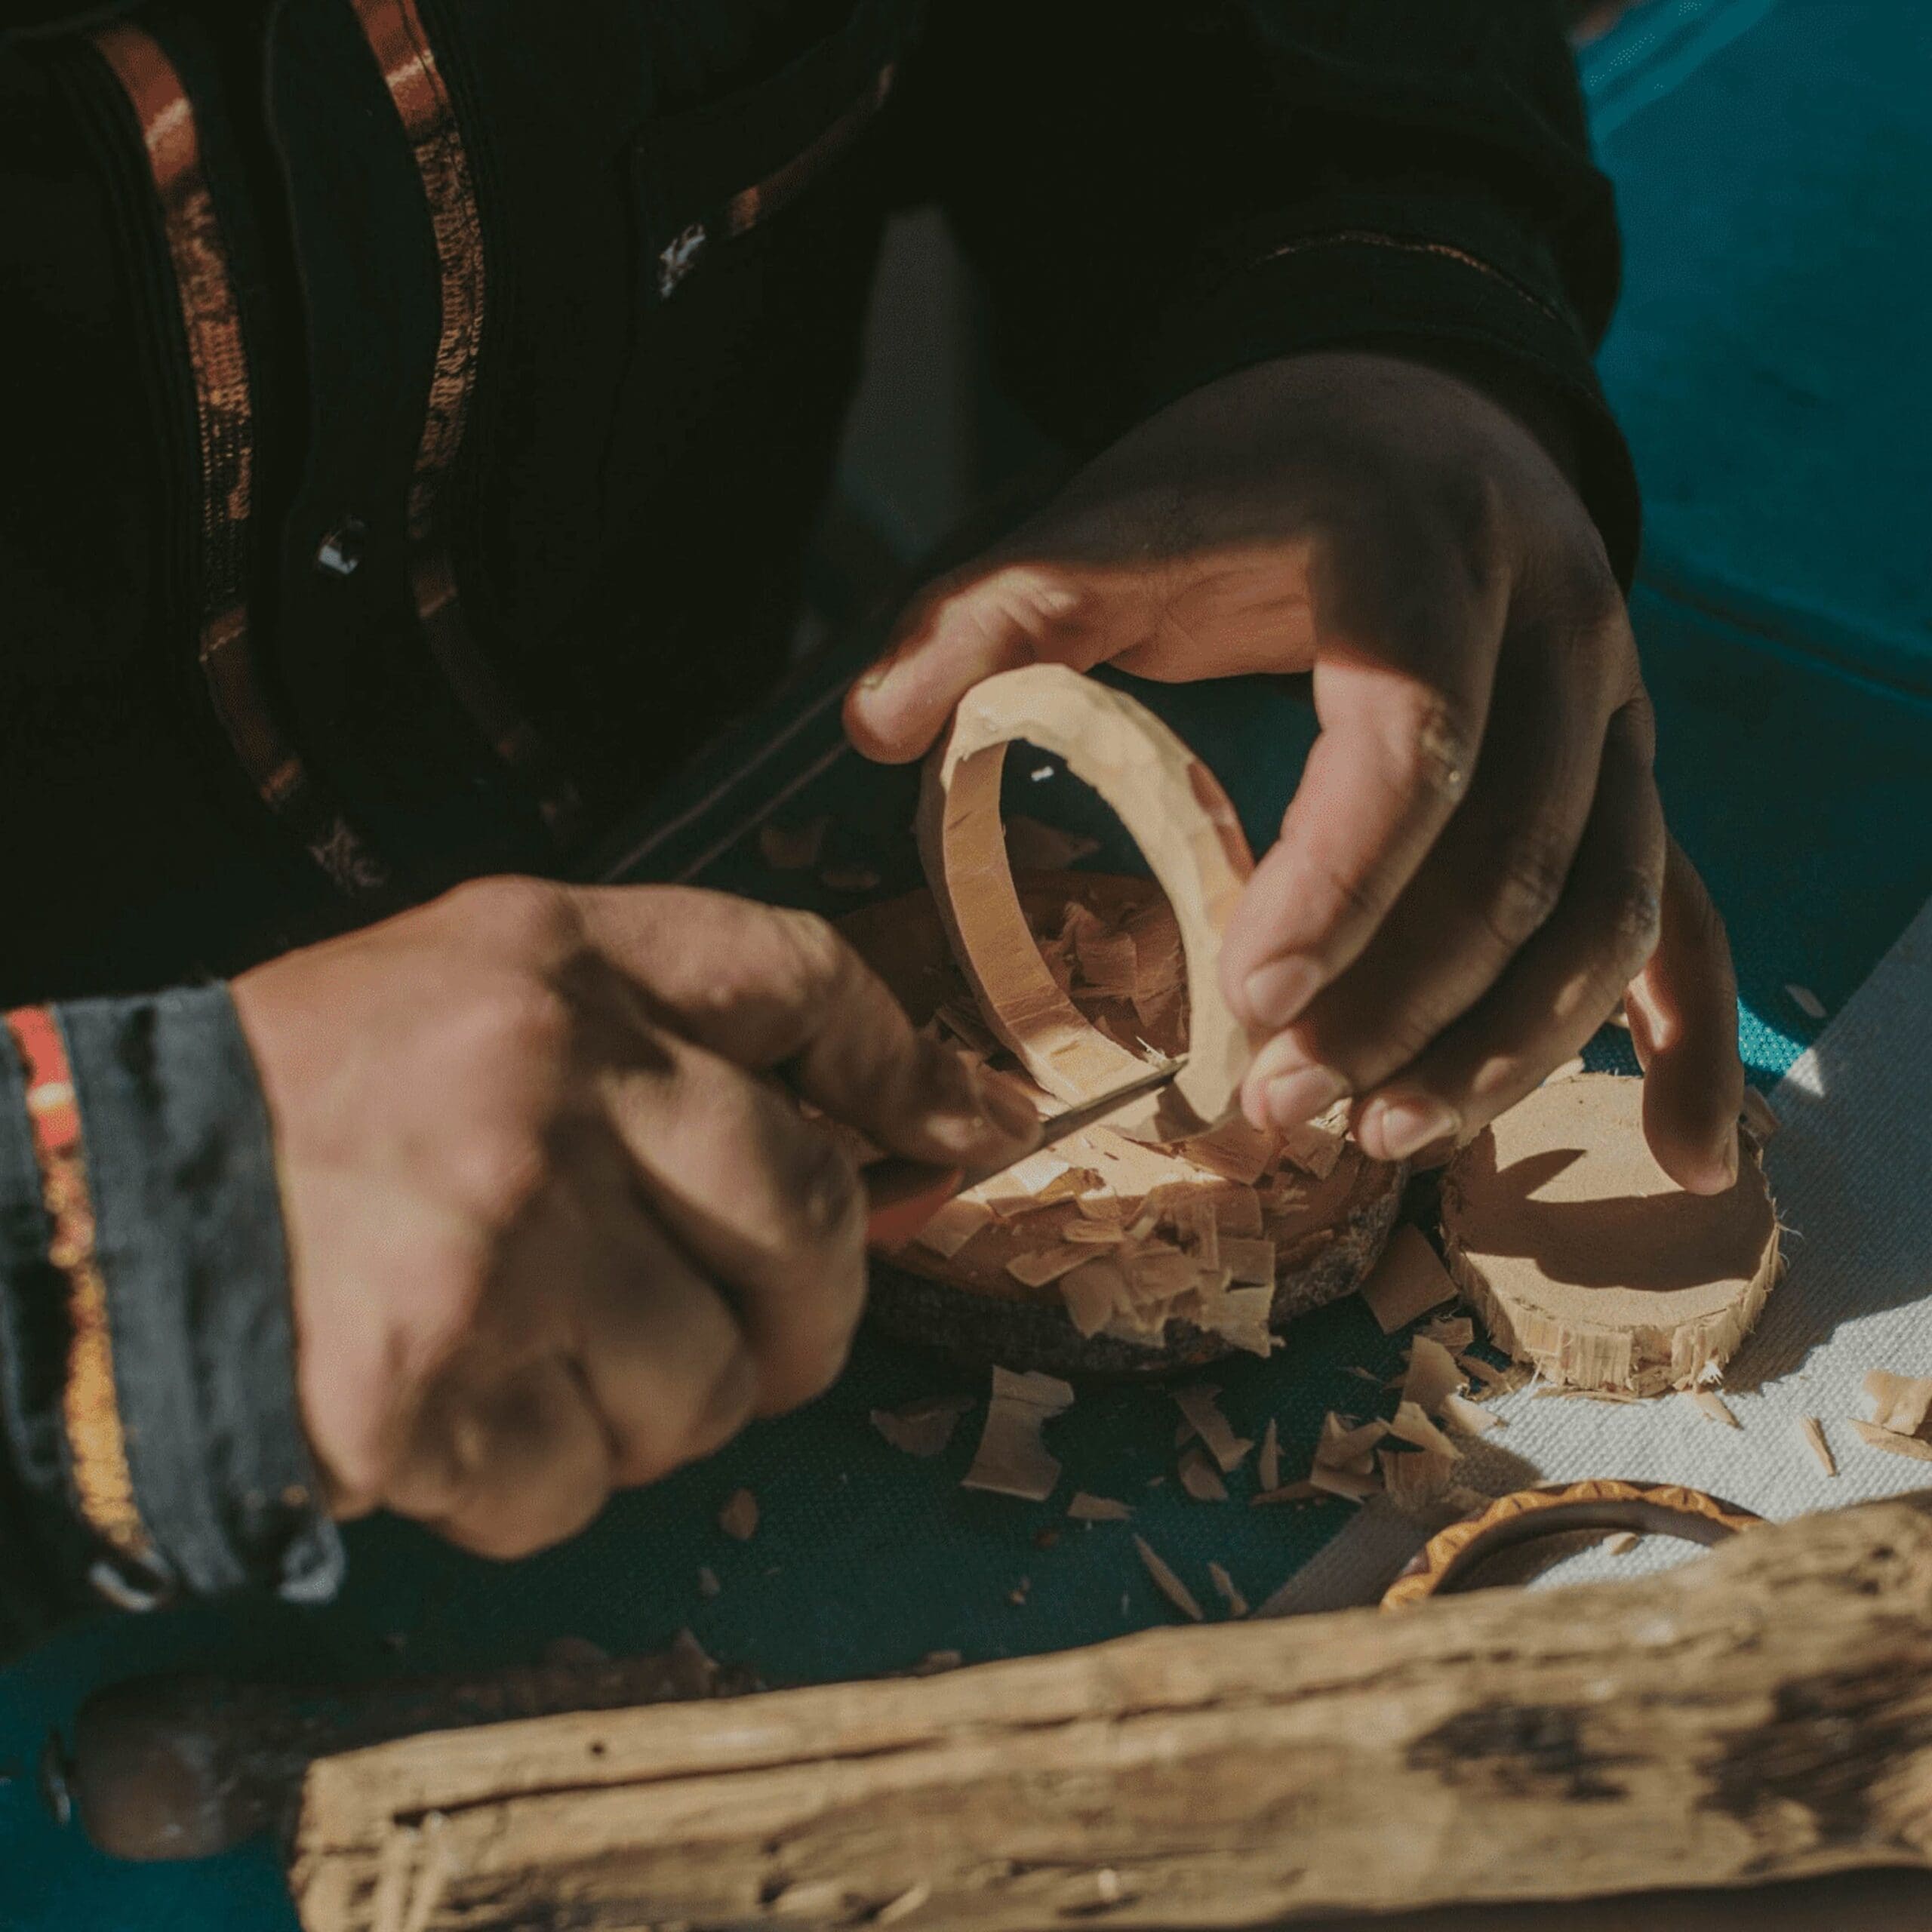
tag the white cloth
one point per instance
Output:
(1851, 1169)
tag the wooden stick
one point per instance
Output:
(1178, 815)
(1763, 1712)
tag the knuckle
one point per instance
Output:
(1529, 886)
(815, 958)
(521, 918)
(1634, 916)
(499, 1168)
(1435, 745)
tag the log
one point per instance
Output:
(1586, 1259)
(1175, 811)
(1761, 1713)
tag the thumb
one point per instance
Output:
(994, 614)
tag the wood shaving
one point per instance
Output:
(1892, 1445)
(1200, 1478)
(1407, 1282)
(1093, 1233)
(1899, 1402)
(1433, 1376)
(1106, 1207)
(1495, 1381)
(1035, 1267)
(1342, 1445)
(1237, 1604)
(954, 1226)
(792, 848)
(849, 878)
(1622, 1543)
(1314, 1149)
(1170, 1585)
(1712, 1406)
(1159, 1274)
(1087, 1509)
(1093, 1292)
(1241, 1316)
(1236, 1151)
(908, 1902)
(739, 1517)
(1813, 1431)
(1268, 1464)
(1807, 1002)
(1248, 1259)
(1070, 1185)
(1455, 1332)
(1290, 1492)
(1460, 1412)
(1345, 1483)
(1011, 1459)
(1620, 1396)
(1036, 1172)
(708, 1585)
(923, 1428)
(1410, 1425)
(1198, 1403)
(1033, 846)
(1759, 1115)
(1416, 1481)
(1106, 963)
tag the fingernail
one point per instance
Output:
(1406, 1127)
(1296, 1098)
(1731, 1159)
(1278, 991)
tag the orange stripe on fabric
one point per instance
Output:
(395, 32)
(211, 323)
(91, 1409)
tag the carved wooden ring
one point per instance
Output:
(1176, 812)
(1448, 1562)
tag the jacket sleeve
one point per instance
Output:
(1157, 195)
(150, 1445)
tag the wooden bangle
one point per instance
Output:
(1448, 1563)
(1176, 812)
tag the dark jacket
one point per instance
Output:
(418, 412)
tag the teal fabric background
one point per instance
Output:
(1775, 160)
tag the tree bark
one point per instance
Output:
(1763, 1712)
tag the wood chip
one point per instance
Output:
(1899, 1402)
(954, 1226)
(1093, 1293)
(1343, 1445)
(1033, 846)
(1087, 1508)
(922, 1428)
(1247, 1261)
(908, 1902)
(1011, 1459)
(739, 1517)
(1711, 1406)
(1289, 1492)
(1198, 1402)
(1237, 1604)
(849, 878)
(1035, 1267)
(1807, 1002)
(1892, 1444)
(1268, 1464)
(1410, 1425)
(1458, 1412)
(1314, 1149)
(1170, 1585)
(791, 848)
(1199, 1477)
(1813, 1431)
(1622, 1543)
(1455, 1332)
(1407, 1282)
(1759, 1115)
(1345, 1483)
(1416, 1480)
(1433, 1376)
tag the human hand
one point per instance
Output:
(1474, 865)
(552, 1229)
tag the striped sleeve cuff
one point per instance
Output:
(144, 1325)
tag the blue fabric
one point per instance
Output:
(1780, 590)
